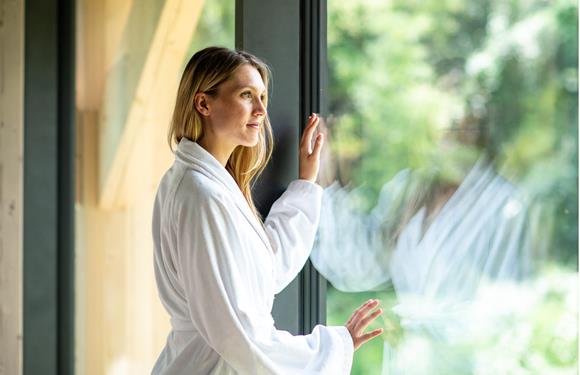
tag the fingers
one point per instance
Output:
(371, 335)
(354, 314)
(362, 311)
(363, 323)
(309, 155)
(360, 319)
(306, 140)
(318, 145)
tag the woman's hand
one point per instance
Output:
(310, 158)
(360, 319)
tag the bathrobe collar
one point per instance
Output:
(200, 160)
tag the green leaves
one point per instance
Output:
(413, 84)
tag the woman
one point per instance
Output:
(217, 265)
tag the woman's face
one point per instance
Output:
(237, 111)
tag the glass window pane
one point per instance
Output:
(131, 55)
(451, 183)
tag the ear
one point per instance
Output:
(201, 103)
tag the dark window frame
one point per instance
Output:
(293, 40)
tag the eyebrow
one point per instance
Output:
(249, 87)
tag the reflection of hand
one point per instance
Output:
(394, 332)
(360, 319)
(328, 166)
(309, 158)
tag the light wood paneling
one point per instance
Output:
(11, 171)
(121, 325)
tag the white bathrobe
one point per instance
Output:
(218, 268)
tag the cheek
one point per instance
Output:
(238, 111)
(230, 115)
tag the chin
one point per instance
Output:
(250, 142)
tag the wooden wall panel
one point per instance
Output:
(11, 172)
(121, 326)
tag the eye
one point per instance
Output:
(247, 94)
(263, 97)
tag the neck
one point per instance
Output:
(221, 153)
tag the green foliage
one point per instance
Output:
(434, 85)
(535, 335)
(215, 27)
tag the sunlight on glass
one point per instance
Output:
(450, 177)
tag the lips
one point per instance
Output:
(254, 126)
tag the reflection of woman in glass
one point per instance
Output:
(217, 265)
(438, 237)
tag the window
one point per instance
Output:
(451, 173)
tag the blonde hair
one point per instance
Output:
(205, 71)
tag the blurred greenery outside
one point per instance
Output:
(403, 75)
(215, 27)
(541, 339)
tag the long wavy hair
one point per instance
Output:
(205, 72)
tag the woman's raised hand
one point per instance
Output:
(360, 319)
(309, 157)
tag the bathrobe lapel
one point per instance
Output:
(198, 159)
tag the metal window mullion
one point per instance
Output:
(66, 187)
(312, 69)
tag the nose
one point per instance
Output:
(259, 108)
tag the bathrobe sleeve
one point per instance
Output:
(223, 307)
(291, 226)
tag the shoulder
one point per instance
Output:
(198, 192)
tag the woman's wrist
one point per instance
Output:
(309, 179)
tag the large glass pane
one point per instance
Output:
(130, 58)
(451, 183)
